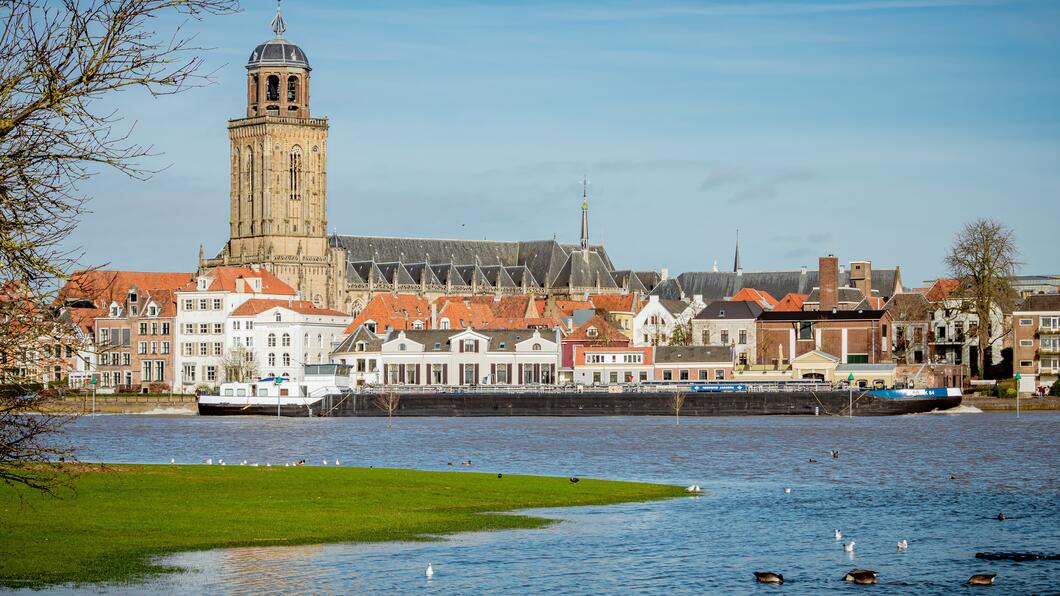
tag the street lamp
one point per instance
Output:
(850, 386)
(1018, 377)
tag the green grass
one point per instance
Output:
(120, 518)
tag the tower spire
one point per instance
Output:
(585, 213)
(278, 24)
(736, 260)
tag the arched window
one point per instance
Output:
(320, 341)
(536, 348)
(272, 88)
(417, 325)
(256, 94)
(286, 359)
(272, 340)
(444, 323)
(305, 340)
(292, 88)
(272, 359)
(285, 339)
(295, 173)
(248, 183)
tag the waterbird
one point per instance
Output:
(849, 546)
(787, 490)
(209, 461)
(325, 462)
(814, 461)
(336, 461)
(172, 461)
(1000, 517)
(838, 534)
(499, 475)
(243, 463)
(768, 577)
(268, 465)
(835, 454)
(450, 463)
(860, 576)
(693, 489)
(982, 579)
(430, 570)
(903, 544)
(574, 480)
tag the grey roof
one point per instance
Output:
(498, 276)
(441, 337)
(584, 269)
(843, 295)
(1040, 302)
(473, 274)
(717, 285)
(544, 259)
(403, 277)
(729, 310)
(423, 271)
(372, 341)
(278, 52)
(519, 273)
(675, 307)
(687, 354)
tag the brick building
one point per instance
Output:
(1036, 326)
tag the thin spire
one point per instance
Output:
(585, 213)
(736, 261)
(278, 24)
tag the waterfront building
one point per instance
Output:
(361, 350)
(730, 324)
(693, 363)
(953, 335)
(203, 332)
(470, 357)
(598, 331)
(130, 316)
(278, 215)
(655, 323)
(1036, 327)
(910, 328)
(611, 365)
(621, 309)
(859, 336)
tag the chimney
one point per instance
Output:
(664, 274)
(434, 316)
(861, 276)
(828, 282)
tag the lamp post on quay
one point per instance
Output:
(850, 387)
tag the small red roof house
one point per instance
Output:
(386, 312)
(597, 331)
(256, 306)
(791, 303)
(759, 297)
(942, 289)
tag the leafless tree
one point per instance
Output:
(239, 365)
(388, 401)
(677, 401)
(983, 258)
(60, 61)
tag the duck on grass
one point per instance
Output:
(120, 518)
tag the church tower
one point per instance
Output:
(278, 193)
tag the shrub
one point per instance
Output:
(1055, 389)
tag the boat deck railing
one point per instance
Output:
(634, 388)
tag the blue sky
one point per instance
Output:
(870, 129)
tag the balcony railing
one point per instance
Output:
(1049, 330)
(1050, 349)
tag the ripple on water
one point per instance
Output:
(891, 481)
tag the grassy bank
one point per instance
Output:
(123, 516)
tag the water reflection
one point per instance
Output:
(937, 481)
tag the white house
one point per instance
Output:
(283, 336)
(731, 324)
(471, 357)
(655, 323)
(361, 351)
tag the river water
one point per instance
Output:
(936, 480)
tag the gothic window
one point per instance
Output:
(248, 184)
(272, 88)
(295, 173)
(292, 89)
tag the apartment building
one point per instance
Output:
(693, 363)
(731, 324)
(610, 365)
(1036, 327)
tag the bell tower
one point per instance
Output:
(278, 195)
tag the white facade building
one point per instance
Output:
(282, 336)
(655, 323)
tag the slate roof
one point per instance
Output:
(278, 52)
(584, 269)
(675, 307)
(543, 259)
(692, 354)
(508, 337)
(372, 342)
(717, 285)
(729, 310)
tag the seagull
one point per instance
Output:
(430, 570)
(982, 579)
(787, 490)
(172, 461)
(325, 462)
(221, 461)
(903, 544)
(835, 454)
(693, 489)
(574, 480)
(336, 461)
(243, 463)
(849, 546)
(768, 577)
(209, 461)
(838, 534)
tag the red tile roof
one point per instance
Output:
(941, 289)
(105, 285)
(224, 279)
(759, 297)
(791, 303)
(621, 303)
(395, 312)
(256, 306)
(605, 332)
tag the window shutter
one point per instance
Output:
(445, 374)
(493, 373)
(520, 375)
(461, 348)
(476, 374)
(401, 373)
(537, 373)
(508, 378)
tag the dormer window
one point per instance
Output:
(401, 347)
(591, 332)
(152, 311)
(370, 326)
(721, 313)
(279, 317)
(202, 283)
(115, 310)
(360, 346)
(444, 323)
(437, 345)
(501, 345)
(417, 325)
(132, 296)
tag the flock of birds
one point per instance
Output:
(301, 462)
(863, 576)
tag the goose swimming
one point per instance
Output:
(860, 576)
(982, 579)
(768, 577)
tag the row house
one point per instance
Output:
(361, 351)
(1036, 326)
(729, 324)
(470, 357)
(611, 365)
(203, 332)
(598, 331)
(130, 316)
(854, 336)
(694, 363)
(656, 322)
(953, 334)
